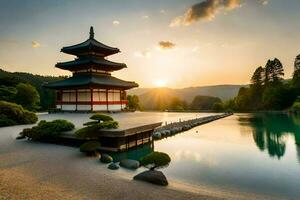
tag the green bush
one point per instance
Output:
(296, 107)
(89, 147)
(93, 131)
(156, 160)
(4, 121)
(101, 117)
(47, 130)
(13, 114)
(27, 96)
(93, 128)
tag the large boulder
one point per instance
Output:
(105, 158)
(130, 164)
(152, 176)
(113, 166)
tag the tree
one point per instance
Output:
(133, 102)
(7, 93)
(277, 71)
(92, 129)
(27, 96)
(177, 104)
(296, 75)
(204, 102)
(218, 107)
(268, 71)
(257, 77)
(256, 89)
(243, 99)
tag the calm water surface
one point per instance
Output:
(246, 152)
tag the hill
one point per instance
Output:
(13, 78)
(150, 96)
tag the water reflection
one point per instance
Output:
(135, 153)
(270, 131)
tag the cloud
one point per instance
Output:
(35, 44)
(116, 22)
(162, 11)
(264, 2)
(144, 53)
(207, 10)
(166, 45)
(145, 17)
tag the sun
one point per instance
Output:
(160, 83)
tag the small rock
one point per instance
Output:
(105, 158)
(113, 166)
(20, 137)
(157, 135)
(152, 176)
(130, 164)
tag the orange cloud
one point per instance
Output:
(166, 45)
(207, 11)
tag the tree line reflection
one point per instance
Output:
(270, 131)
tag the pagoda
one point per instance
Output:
(91, 87)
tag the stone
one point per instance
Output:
(113, 166)
(157, 135)
(105, 158)
(152, 176)
(168, 132)
(130, 164)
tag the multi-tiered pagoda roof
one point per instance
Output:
(90, 68)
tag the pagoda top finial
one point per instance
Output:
(91, 33)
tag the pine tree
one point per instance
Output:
(267, 72)
(296, 75)
(277, 71)
(257, 78)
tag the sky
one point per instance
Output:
(172, 43)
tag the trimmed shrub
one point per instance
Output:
(13, 114)
(89, 147)
(101, 117)
(93, 131)
(93, 128)
(156, 160)
(47, 130)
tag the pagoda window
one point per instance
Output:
(99, 95)
(117, 95)
(114, 95)
(69, 96)
(84, 95)
(110, 95)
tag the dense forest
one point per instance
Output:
(268, 90)
(27, 89)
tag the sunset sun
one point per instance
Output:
(160, 83)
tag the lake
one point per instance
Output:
(254, 153)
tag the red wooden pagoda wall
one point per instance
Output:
(91, 100)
